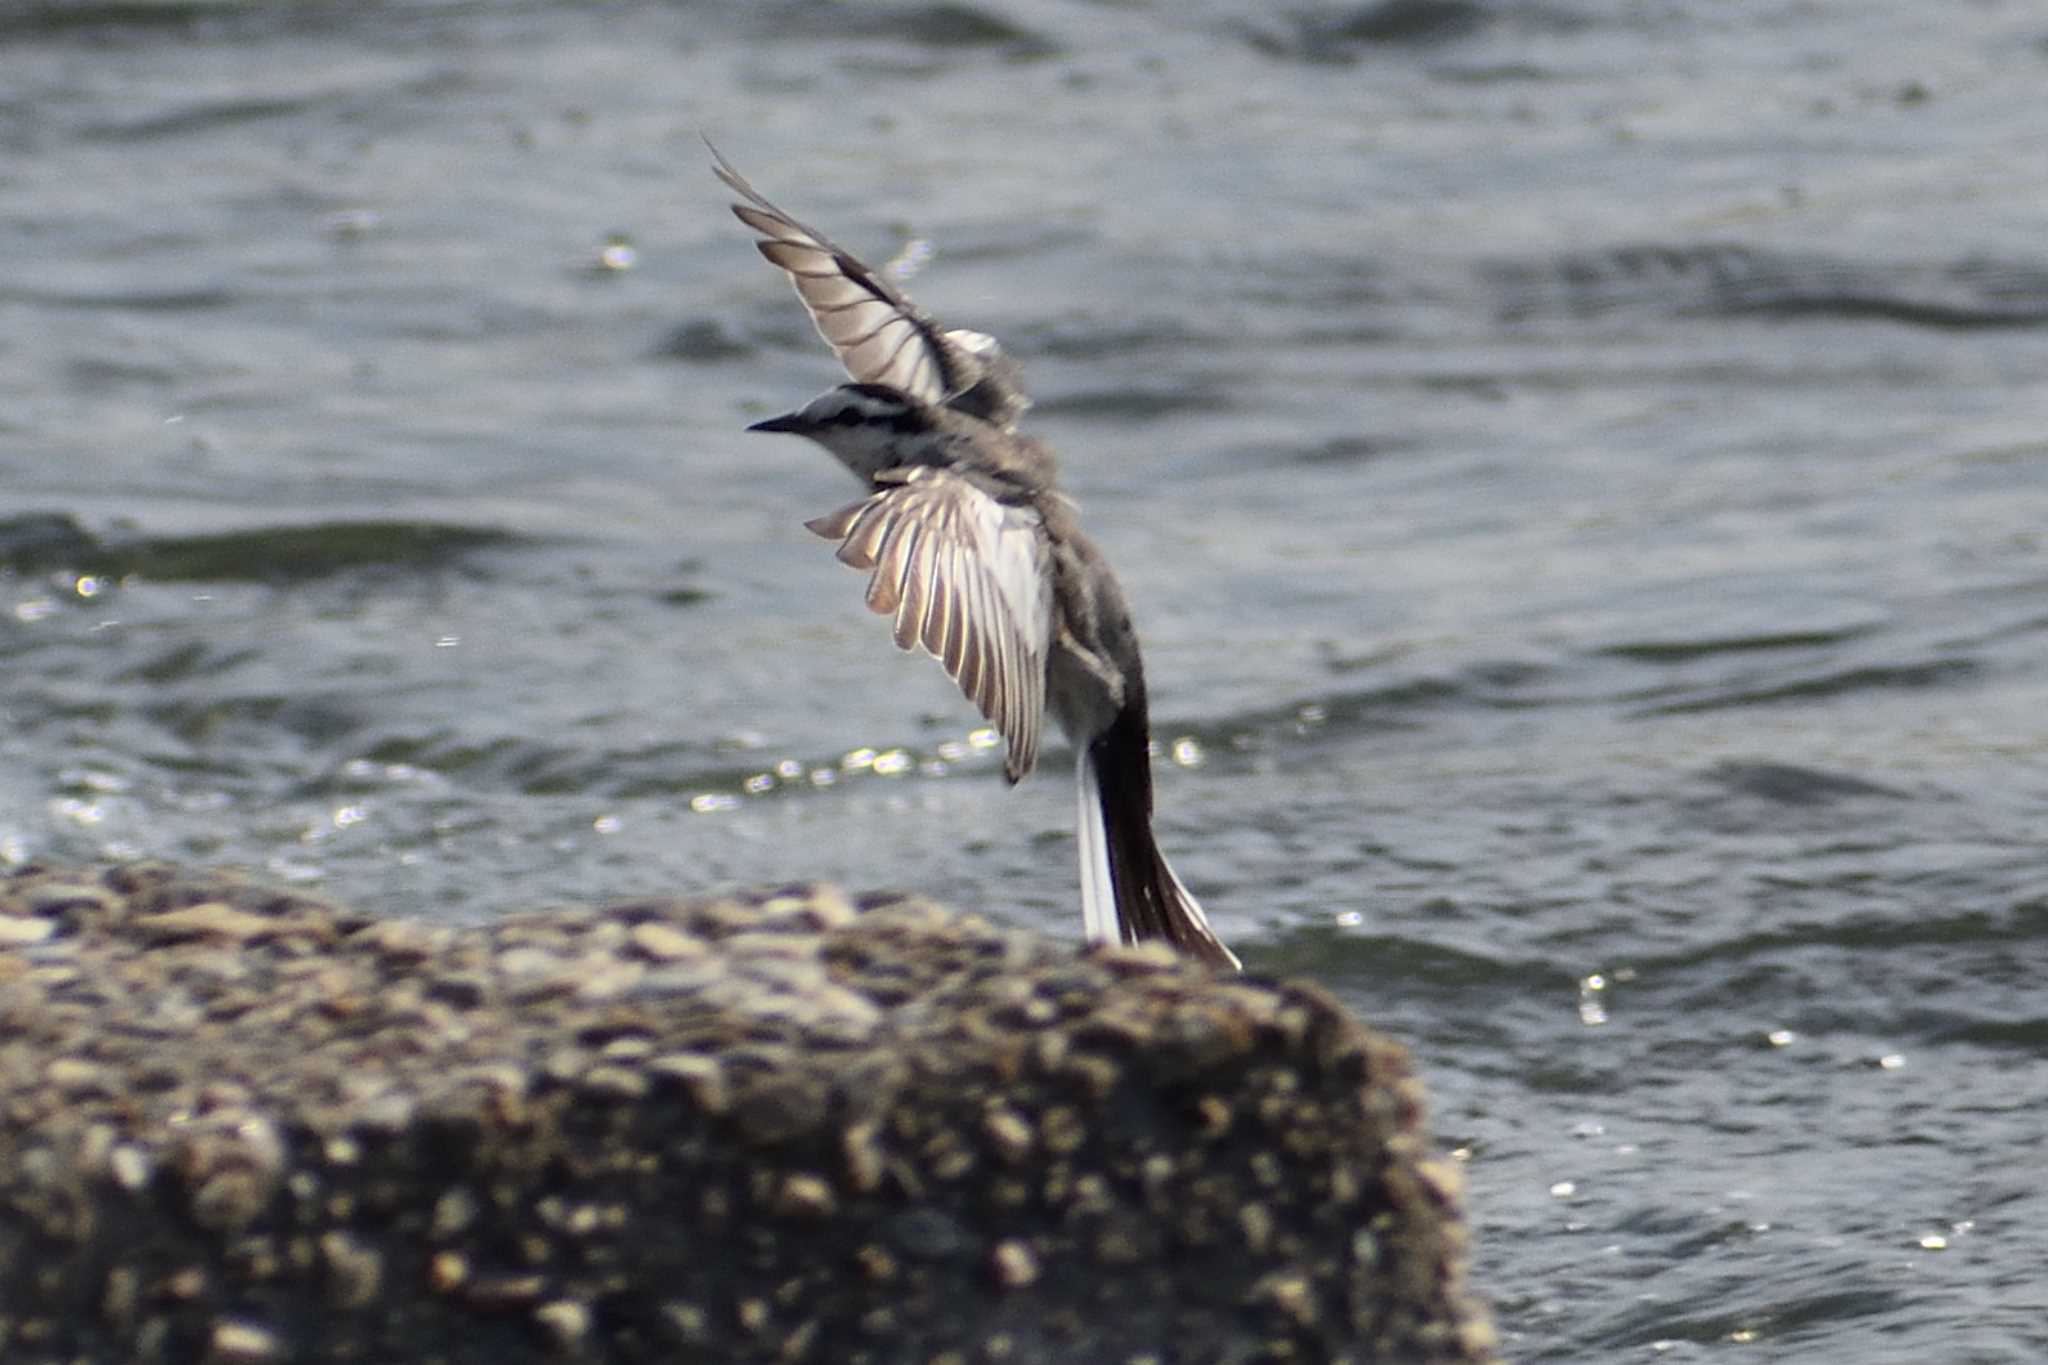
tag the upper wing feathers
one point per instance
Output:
(829, 280)
(851, 305)
(964, 576)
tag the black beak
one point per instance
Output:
(789, 421)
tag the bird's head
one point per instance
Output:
(868, 426)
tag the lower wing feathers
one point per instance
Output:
(963, 575)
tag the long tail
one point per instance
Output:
(1128, 891)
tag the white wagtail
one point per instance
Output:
(977, 555)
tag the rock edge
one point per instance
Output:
(240, 1124)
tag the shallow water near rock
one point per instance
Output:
(1579, 471)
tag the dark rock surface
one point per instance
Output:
(239, 1124)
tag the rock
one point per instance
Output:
(209, 920)
(239, 1124)
(19, 931)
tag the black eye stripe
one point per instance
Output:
(878, 406)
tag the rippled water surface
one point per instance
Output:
(1580, 469)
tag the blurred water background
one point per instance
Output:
(1580, 468)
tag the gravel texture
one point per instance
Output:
(239, 1124)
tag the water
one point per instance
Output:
(1579, 469)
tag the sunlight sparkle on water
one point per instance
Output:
(79, 812)
(1592, 1008)
(912, 258)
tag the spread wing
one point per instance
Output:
(964, 575)
(879, 335)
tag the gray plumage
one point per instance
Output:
(977, 558)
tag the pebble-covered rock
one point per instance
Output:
(244, 1124)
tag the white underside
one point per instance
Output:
(1098, 889)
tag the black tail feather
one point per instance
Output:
(1151, 903)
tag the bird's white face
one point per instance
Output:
(869, 427)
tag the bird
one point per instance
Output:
(978, 558)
